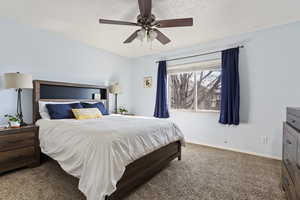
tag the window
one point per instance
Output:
(195, 87)
(182, 88)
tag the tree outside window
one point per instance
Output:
(195, 91)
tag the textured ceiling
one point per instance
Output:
(213, 19)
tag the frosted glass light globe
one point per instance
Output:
(141, 34)
(152, 35)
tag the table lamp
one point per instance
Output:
(18, 81)
(115, 89)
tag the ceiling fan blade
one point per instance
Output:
(131, 37)
(162, 37)
(145, 7)
(174, 22)
(115, 22)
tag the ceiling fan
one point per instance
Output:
(148, 23)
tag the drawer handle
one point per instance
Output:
(288, 141)
(297, 165)
(12, 142)
(18, 141)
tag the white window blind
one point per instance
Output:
(192, 67)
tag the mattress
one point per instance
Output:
(97, 151)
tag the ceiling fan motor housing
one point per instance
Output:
(146, 22)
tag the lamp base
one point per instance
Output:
(23, 124)
(116, 103)
(19, 108)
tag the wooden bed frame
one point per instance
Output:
(136, 173)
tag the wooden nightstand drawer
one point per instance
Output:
(19, 147)
(15, 141)
(18, 154)
(16, 158)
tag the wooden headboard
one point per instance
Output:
(60, 91)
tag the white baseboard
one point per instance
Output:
(237, 150)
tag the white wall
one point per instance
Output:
(269, 71)
(49, 56)
(269, 78)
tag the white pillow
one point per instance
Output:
(44, 111)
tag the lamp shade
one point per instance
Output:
(18, 80)
(115, 89)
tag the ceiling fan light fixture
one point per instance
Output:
(148, 23)
(141, 34)
(152, 35)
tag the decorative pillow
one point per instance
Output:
(98, 105)
(62, 111)
(87, 113)
(44, 111)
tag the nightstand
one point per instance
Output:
(19, 147)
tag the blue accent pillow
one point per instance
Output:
(62, 111)
(98, 105)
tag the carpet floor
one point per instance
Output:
(204, 173)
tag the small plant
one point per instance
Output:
(123, 110)
(12, 118)
(13, 121)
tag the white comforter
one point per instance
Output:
(97, 151)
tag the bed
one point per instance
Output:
(124, 152)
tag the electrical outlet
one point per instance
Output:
(265, 139)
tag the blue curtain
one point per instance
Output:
(230, 88)
(161, 106)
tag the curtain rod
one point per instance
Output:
(202, 54)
